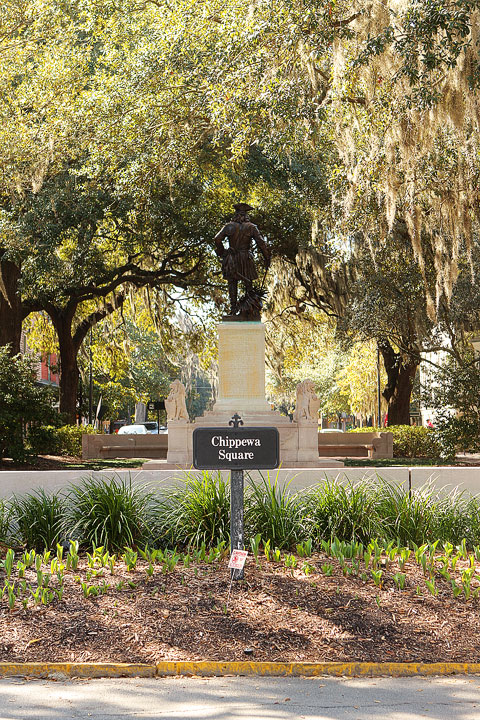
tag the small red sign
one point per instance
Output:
(237, 559)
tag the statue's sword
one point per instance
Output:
(263, 281)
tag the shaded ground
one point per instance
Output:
(54, 462)
(281, 614)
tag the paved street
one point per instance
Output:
(242, 698)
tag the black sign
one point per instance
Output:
(156, 405)
(246, 448)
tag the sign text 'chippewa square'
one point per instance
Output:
(254, 448)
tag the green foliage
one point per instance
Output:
(344, 511)
(427, 37)
(70, 438)
(38, 519)
(425, 515)
(22, 401)
(109, 513)
(276, 514)
(456, 433)
(5, 520)
(195, 511)
(43, 440)
(453, 391)
(114, 514)
(410, 441)
(64, 440)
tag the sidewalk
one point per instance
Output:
(242, 698)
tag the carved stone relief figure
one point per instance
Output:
(175, 402)
(308, 404)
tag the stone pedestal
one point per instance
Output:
(307, 449)
(241, 368)
(180, 443)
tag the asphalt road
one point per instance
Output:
(242, 698)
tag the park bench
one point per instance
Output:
(374, 445)
(124, 446)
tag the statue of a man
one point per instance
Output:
(238, 264)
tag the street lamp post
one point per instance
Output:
(379, 397)
(90, 388)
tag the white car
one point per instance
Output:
(152, 427)
(133, 430)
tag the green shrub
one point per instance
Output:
(410, 440)
(196, 510)
(456, 433)
(22, 401)
(38, 518)
(346, 511)
(43, 440)
(276, 514)
(456, 384)
(64, 440)
(112, 513)
(70, 438)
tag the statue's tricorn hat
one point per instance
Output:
(243, 207)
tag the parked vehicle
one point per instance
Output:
(152, 427)
(133, 430)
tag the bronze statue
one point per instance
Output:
(238, 264)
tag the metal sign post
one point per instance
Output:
(236, 507)
(236, 449)
(156, 405)
(236, 513)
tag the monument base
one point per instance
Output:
(321, 463)
(241, 375)
(298, 441)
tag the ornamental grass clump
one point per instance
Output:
(277, 515)
(195, 511)
(6, 512)
(38, 519)
(110, 513)
(424, 515)
(346, 511)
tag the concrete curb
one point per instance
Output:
(61, 671)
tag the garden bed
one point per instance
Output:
(278, 613)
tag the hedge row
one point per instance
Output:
(65, 440)
(410, 441)
(115, 513)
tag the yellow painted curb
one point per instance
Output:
(83, 670)
(303, 669)
(214, 668)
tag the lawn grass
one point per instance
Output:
(105, 464)
(395, 462)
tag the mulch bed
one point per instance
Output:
(280, 614)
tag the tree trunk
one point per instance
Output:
(401, 375)
(10, 306)
(69, 373)
(69, 344)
